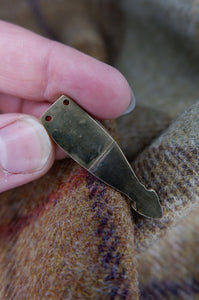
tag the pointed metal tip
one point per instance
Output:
(148, 204)
(155, 214)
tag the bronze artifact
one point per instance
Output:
(89, 144)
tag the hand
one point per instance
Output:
(34, 72)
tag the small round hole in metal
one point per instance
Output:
(48, 118)
(66, 102)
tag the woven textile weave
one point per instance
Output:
(68, 235)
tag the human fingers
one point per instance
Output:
(11, 104)
(37, 69)
(26, 150)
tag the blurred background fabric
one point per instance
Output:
(67, 235)
(160, 60)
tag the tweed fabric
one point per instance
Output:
(167, 249)
(169, 268)
(170, 166)
(69, 236)
(62, 238)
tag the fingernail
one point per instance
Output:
(131, 106)
(24, 146)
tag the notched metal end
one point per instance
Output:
(148, 204)
(90, 145)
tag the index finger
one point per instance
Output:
(35, 68)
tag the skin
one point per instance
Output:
(34, 72)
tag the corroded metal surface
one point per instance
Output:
(89, 144)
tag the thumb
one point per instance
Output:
(26, 151)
